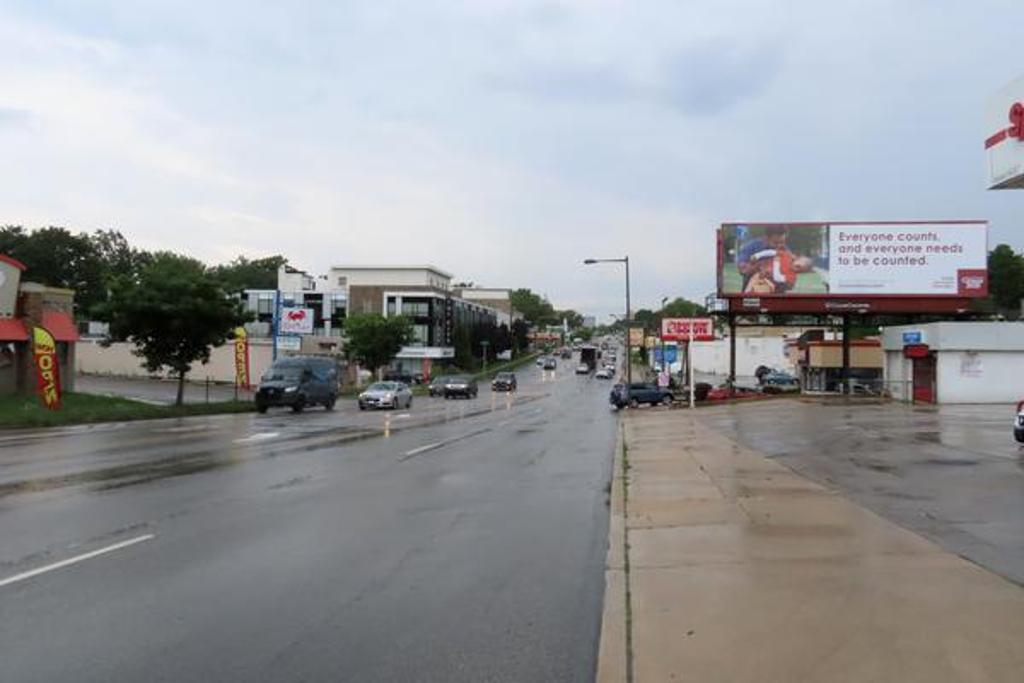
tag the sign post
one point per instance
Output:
(689, 361)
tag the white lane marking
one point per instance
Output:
(403, 416)
(261, 436)
(424, 449)
(75, 560)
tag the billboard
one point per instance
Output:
(679, 329)
(1004, 137)
(851, 262)
(636, 336)
(296, 321)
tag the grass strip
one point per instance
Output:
(26, 411)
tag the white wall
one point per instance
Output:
(713, 357)
(388, 277)
(118, 360)
(997, 377)
(898, 373)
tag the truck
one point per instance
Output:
(588, 356)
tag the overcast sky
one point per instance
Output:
(502, 140)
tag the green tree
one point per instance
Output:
(681, 308)
(117, 257)
(535, 309)
(174, 312)
(373, 340)
(1006, 279)
(56, 257)
(243, 273)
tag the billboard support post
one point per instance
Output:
(846, 354)
(689, 364)
(732, 354)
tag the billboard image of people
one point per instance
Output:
(801, 260)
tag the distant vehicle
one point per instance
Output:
(605, 373)
(582, 369)
(588, 356)
(504, 381)
(779, 383)
(386, 395)
(436, 386)
(761, 372)
(550, 364)
(1018, 424)
(463, 386)
(298, 382)
(398, 376)
(640, 393)
(566, 354)
(540, 361)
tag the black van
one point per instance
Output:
(298, 382)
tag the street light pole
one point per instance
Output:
(625, 260)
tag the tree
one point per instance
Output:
(56, 257)
(1006, 279)
(373, 340)
(173, 311)
(535, 309)
(242, 273)
(681, 308)
(117, 257)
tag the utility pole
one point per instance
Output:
(484, 344)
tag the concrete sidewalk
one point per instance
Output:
(726, 566)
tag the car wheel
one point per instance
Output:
(329, 405)
(667, 401)
(260, 408)
(1019, 435)
(299, 405)
(408, 404)
(634, 403)
(362, 407)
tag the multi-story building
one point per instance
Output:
(421, 293)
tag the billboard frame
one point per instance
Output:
(836, 303)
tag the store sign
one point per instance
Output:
(241, 358)
(289, 343)
(435, 352)
(914, 337)
(636, 336)
(44, 352)
(1004, 141)
(671, 354)
(681, 329)
(296, 321)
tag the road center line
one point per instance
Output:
(261, 436)
(74, 560)
(424, 449)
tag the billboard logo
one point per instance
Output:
(1015, 130)
(972, 282)
(296, 321)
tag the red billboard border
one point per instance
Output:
(839, 304)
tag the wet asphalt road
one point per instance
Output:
(952, 474)
(463, 547)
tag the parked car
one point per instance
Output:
(582, 369)
(640, 393)
(566, 354)
(550, 364)
(779, 382)
(436, 386)
(298, 382)
(386, 395)
(1018, 423)
(460, 386)
(540, 361)
(504, 381)
(605, 373)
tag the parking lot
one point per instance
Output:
(953, 474)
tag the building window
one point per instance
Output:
(420, 335)
(416, 309)
(265, 304)
(391, 306)
(342, 281)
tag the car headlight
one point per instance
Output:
(289, 390)
(388, 396)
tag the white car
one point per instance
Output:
(605, 373)
(386, 395)
(582, 369)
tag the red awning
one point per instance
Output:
(13, 330)
(60, 325)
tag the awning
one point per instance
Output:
(12, 330)
(60, 325)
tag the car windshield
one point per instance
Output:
(504, 375)
(383, 386)
(287, 373)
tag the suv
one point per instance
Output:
(460, 386)
(504, 381)
(550, 364)
(639, 393)
(298, 382)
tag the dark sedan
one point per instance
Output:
(464, 387)
(504, 381)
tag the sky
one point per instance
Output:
(501, 140)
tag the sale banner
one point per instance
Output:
(242, 358)
(44, 351)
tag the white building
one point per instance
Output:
(955, 362)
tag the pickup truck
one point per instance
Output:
(639, 393)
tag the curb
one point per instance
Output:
(613, 654)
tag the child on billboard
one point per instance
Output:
(767, 265)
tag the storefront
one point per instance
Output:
(821, 366)
(955, 362)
